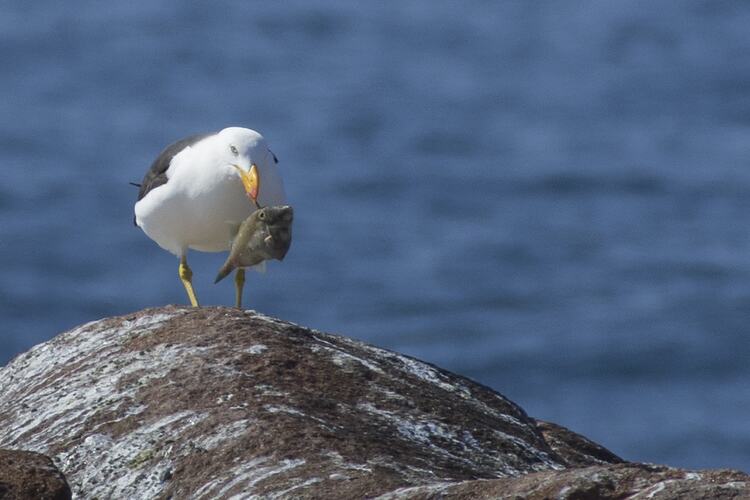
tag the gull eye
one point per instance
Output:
(234, 150)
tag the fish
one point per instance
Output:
(266, 234)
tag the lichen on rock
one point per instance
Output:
(220, 403)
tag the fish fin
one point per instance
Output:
(224, 271)
(261, 268)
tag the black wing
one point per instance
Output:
(157, 174)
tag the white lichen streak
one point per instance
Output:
(339, 462)
(545, 461)
(268, 390)
(130, 466)
(65, 399)
(256, 349)
(342, 358)
(563, 493)
(428, 490)
(293, 411)
(653, 490)
(223, 434)
(435, 435)
(427, 373)
(246, 474)
(387, 393)
(734, 485)
(269, 319)
(412, 366)
(302, 485)
(285, 409)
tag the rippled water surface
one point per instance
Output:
(548, 197)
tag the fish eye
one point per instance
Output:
(234, 150)
(262, 215)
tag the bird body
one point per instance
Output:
(200, 189)
(266, 234)
(198, 198)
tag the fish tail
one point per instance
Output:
(223, 272)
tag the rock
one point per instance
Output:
(218, 402)
(574, 449)
(32, 476)
(613, 482)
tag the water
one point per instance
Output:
(546, 197)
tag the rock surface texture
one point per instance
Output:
(221, 403)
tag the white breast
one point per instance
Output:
(203, 199)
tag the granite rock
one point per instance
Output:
(222, 403)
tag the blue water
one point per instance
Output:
(548, 197)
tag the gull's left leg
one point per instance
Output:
(239, 283)
(186, 276)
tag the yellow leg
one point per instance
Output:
(186, 276)
(239, 283)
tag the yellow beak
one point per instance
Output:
(251, 182)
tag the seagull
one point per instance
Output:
(200, 189)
